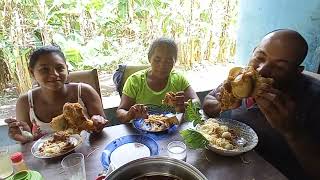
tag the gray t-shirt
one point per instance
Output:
(272, 146)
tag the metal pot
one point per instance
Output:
(156, 166)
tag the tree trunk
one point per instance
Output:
(5, 77)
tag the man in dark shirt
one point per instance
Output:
(286, 114)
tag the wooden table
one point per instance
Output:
(248, 166)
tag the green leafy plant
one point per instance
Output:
(192, 112)
(194, 139)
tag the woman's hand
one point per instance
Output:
(14, 131)
(180, 104)
(99, 122)
(137, 111)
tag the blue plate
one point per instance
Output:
(138, 139)
(140, 124)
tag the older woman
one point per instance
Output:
(151, 85)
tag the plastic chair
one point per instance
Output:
(123, 72)
(87, 76)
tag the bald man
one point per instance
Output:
(286, 115)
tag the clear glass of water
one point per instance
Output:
(5, 163)
(73, 166)
(177, 150)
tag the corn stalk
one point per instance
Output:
(108, 32)
(14, 37)
(5, 77)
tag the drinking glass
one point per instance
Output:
(177, 150)
(73, 166)
(5, 163)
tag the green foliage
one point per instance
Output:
(74, 57)
(103, 33)
(192, 113)
(95, 5)
(123, 9)
(194, 139)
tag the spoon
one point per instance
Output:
(241, 141)
(26, 134)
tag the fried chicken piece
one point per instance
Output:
(59, 123)
(241, 83)
(161, 120)
(73, 113)
(87, 125)
(171, 120)
(228, 100)
(170, 99)
(259, 81)
(60, 136)
(73, 120)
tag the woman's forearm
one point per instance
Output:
(122, 115)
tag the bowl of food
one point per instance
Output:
(228, 137)
(157, 168)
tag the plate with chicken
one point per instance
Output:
(66, 138)
(55, 145)
(160, 119)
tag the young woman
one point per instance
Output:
(35, 110)
(150, 86)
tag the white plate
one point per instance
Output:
(127, 148)
(135, 151)
(75, 139)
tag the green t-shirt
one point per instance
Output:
(136, 87)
